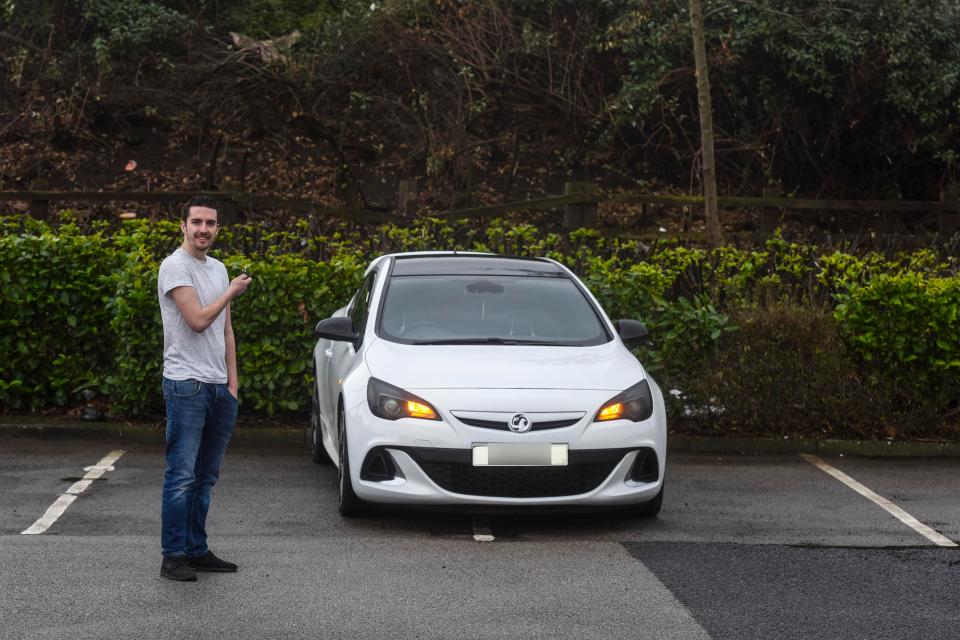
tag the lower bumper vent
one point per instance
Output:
(645, 467)
(378, 466)
(453, 470)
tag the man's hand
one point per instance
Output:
(239, 284)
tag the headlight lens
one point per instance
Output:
(392, 403)
(634, 404)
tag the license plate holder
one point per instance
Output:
(516, 454)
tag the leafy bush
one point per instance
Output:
(785, 370)
(631, 292)
(81, 312)
(886, 74)
(131, 26)
(54, 320)
(272, 18)
(904, 326)
(137, 336)
(686, 335)
(779, 337)
(273, 322)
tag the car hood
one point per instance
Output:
(608, 366)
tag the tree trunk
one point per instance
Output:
(706, 125)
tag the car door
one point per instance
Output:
(344, 356)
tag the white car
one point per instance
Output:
(479, 380)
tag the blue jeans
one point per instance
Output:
(200, 420)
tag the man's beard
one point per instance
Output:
(197, 239)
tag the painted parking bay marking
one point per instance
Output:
(57, 508)
(481, 529)
(928, 533)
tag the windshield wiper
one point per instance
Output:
(509, 341)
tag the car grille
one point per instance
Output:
(517, 482)
(503, 426)
(453, 470)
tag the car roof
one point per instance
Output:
(473, 264)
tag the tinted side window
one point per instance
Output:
(361, 304)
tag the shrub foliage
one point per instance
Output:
(781, 337)
(54, 320)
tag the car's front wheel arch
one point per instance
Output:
(349, 504)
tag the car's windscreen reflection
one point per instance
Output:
(490, 310)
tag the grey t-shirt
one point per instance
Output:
(186, 353)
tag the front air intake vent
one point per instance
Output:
(452, 469)
(517, 482)
(645, 467)
(378, 466)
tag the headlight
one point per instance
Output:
(634, 404)
(391, 403)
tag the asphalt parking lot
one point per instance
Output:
(745, 547)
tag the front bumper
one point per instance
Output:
(594, 477)
(430, 462)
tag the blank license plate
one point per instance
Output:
(519, 455)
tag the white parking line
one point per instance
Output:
(60, 505)
(931, 535)
(481, 530)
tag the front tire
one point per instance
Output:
(320, 455)
(350, 505)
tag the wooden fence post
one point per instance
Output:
(769, 216)
(949, 220)
(230, 213)
(581, 215)
(40, 209)
(407, 197)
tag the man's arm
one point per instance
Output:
(231, 355)
(198, 317)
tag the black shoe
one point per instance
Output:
(177, 569)
(210, 562)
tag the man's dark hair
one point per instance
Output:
(198, 201)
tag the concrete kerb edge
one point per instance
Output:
(740, 445)
(828, 447)
(138, 433)
(890, 449)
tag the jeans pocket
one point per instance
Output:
(186, 388)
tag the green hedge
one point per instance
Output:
(273, 323)
(80, 311)
(54, 317)
(906, 327)
(782, 337)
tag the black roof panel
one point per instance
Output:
(474, 265)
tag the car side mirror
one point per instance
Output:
(631, 331)
(340, 329)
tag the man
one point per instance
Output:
(199, 386)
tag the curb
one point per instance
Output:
(829, 447)
(77, 430)
(38, 428)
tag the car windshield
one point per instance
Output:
(489, 310)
